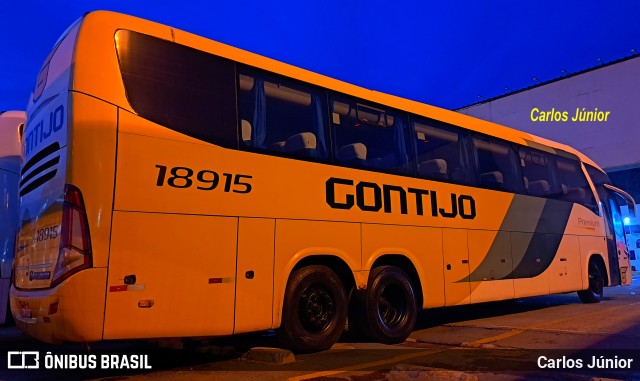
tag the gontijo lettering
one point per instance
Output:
(463, 206)
(43, 129)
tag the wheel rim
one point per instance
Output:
(316, 309)
(392, 305)
(596, 282)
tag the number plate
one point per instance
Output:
(25, 312)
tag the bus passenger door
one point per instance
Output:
(619, 265)
(456, 267)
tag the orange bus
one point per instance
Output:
(174, 186)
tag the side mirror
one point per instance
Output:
(631, 204)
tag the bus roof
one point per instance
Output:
(96, 22)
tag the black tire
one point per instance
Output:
(596, 285)
(314, 311)
(357, 323)
(390, 305)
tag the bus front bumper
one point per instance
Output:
(72, 311)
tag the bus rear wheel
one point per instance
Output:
(314, 311)
(390, 305)
(596, 285)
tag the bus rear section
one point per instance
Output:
(11, 124)
(59, 278)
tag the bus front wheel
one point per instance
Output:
(596, 285)
(390, 305)
(314, 311)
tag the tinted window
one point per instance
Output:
(281, 116)
(573, 183)
(537, 172)
(441, 152)
(369, 136)
(597, 176)
(184, 89)
(497, 165)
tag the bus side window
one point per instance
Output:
(370, 137)
(281, 117)
(497, 165)
(573, 183)
(536, 172)
(181, 88)
(441, 153)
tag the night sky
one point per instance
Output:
(449, 54)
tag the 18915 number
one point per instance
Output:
(183, 177)
(44, 234)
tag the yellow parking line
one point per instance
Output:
(501, 336)
(366, 365)
(517, 331)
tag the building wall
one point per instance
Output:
(614, 144)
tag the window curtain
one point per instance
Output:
(259, 114)
(316, 106)
(401, 147)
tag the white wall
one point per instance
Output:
(615, 88)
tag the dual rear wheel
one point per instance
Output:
(386, 311)
(314, 311)
(316, 306)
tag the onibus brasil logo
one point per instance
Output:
(32, 360)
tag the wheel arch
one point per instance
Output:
(337, 264)
(341, 266)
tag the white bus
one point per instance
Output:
(632, 235)
(11, 124)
